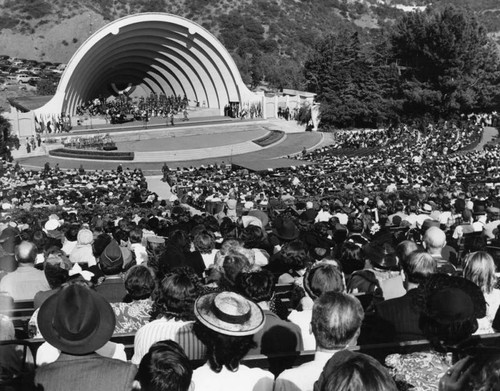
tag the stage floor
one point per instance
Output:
(194, 136)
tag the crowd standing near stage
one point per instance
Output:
(386, 236)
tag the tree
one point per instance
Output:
(449, 63)
(46, 87)
(8, 141)
(352, 85)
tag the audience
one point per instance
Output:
(385, 221)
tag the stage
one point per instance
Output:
(201, 141)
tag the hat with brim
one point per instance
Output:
(229, 313)
(286, 230)
(76, 320)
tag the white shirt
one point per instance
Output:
(47, 353)
(162, 329)
(303, 320)
(141, 255)
(244, 379)
(303, 377)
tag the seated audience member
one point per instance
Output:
(178, 254)
(165, 368)
(56, 269)
(324, 276)
(290, 263)
(434, 241)
(381, 279)
(336, 321)
(78, 321)
(349, 371)
(82, 253)
(480, 269)
(450, 307)
(204, 242)
(136, 246)
(11, 359)
(397, 319)
(9, 239)
(255, 238)
(173, 307)
(226, 323)
(350, 258)
(26, 280)
(135, 311)
(111, 265)
(70, 237)
(277, 335)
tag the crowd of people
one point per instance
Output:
(155, 105)
(399, 244)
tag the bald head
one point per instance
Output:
(26, 252)
(434, 240)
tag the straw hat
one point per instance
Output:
(229, 313)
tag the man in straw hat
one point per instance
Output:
(78, 321)
(226, 323)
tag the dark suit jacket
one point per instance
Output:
(393, 320)
(86, 373)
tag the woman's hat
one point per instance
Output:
(229, 313)
(76, 320)
(448, 299)
(85, 236)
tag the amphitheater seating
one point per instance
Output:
(379, 351)
(20, 313)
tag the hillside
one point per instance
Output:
(262, 35)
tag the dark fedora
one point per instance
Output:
(76, 320)
(112, 255)
(286, 229)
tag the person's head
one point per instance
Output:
(449, 307)
(204, 242)
(165, 368)
(111, 259)
(233, 264)
(294, 255)
(336, 320)
(324, 276)
(381, 256)
(71, 232)
(176, 294)
(351, 258)
(226, 323)
(480, 269)
(418, 266)
(139, 282)
(56, 269)
(76, 320)
(135, 235)
(257, 286)
(252, 236)
(404, 249)
(354, 372)
(25, 252)
(179, 239)
(434, 240)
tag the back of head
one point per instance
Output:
(176, 294)
(165, 368)
(257, 286)
(111, 259)
(355, 372)
(480, 269)
(419, 265)
(139, 282)
(404, 249)
(323, 277)
(336, 320)
(56, 269)
(434, 240)
(25, 252)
